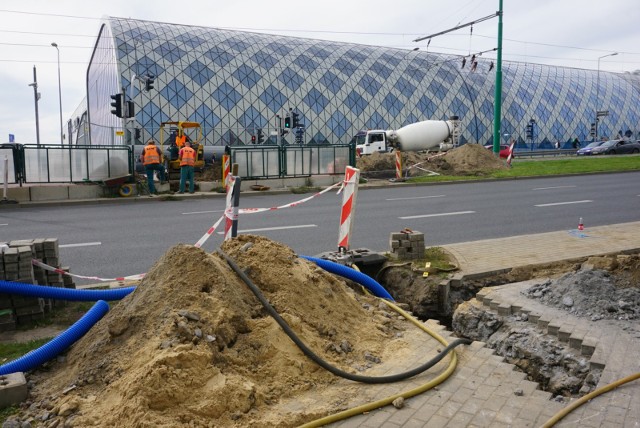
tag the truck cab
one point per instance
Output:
(370, 141)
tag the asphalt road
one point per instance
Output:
(111, 240)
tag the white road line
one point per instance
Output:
(83, 244)
(415, 197)
(564, 203)
(436, 215)
(263, 229)
(7, 224)
(554, 187)
(203, 212)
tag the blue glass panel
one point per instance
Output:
(237, 44)
(139, 35)
(405, 87)
(445, 74)
(549, 96)
(355, 102)
(279, 47)
(459, 108)
(226, 96)
(305, 62)
(344, 66)
(246, 76)
(151, 116)
(543, 113)
(369, 84)
(393, 105)
(358, 55)
(392, 59)
(315, 100)
(264, 60)
(319, 52)
(273, 98)
(252, 119)
(339, 124)
(516, 111)
(190, 40)
(170, 52)
(291, 79)
(205, 116)
(219, 56)
(376, 121)
(410, 119)
(176, 93)
(331, 82)
(437, 89)
(146, 66)
(427, 107)
(381, 70)
(199, 72)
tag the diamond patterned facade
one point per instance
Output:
(235, 83)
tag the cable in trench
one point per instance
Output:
(322, 363)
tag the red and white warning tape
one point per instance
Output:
(60, 271)
(289, 205)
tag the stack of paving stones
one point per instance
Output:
(406, 245)
(16, 266)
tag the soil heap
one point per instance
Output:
(466, 160)
(192, 346)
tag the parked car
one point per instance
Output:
(588, 149)
(615, 147)
(504, 150)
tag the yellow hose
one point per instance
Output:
(407, 394)
(564, 412)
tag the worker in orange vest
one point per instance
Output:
(180, 138)
(187, 158)
(151, 159)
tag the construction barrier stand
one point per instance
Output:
(351, 180)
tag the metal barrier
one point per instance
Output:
(544, 153)
(67, 164)
(266, 161)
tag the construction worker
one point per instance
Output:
(187, 158)
(151, 159)
(180, 138)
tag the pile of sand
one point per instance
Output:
(469, 159)
(192, 346)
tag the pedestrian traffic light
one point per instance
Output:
(260, 136)
(117, 104)
(253, 139)
(130, 109)
(529, 131)
(295, 118)
(287, 122)
(148, 82)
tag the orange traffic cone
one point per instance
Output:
(580, 224)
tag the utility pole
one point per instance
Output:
(497, 105)
(36, 97)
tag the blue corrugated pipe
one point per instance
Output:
(59, 293)
(59, 344)
(366, 281)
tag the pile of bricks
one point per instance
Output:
(16, 266)
(406, 244)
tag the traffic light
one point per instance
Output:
(253, 139)
(148, 82)
(260, 136)
(137, 133)
(529, 131)
(117, 104)
(131, 112)
(295, 118)
(593, 130)
(287, 122)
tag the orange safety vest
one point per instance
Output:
(151, 155)
(187, 156)
(180, 140)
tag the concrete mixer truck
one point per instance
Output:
(414, 137)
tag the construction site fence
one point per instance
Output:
(271, 161)
(31, 163)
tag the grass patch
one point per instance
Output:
(11, 351)
(6, 412)
(304, 189)
(542, 168)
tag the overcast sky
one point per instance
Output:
(571, 33)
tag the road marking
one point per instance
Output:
(203, 212)
(4, 224)
(554, 187)
(301, 226)
(83, 244)
(415, 197)
(435, 215)
(564, 203)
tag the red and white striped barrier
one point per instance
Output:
(230, 212)
(398, 164)
(60, 271)
(209, 232)
(351, 180)
(226, 170)
(513, 143)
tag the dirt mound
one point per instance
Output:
(192, 346)
(468, 159)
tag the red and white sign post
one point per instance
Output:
(351, 180)
(398, 164)
(226, 170)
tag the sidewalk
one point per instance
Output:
(484, 391)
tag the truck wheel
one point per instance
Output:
(126, 190)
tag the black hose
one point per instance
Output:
(315, 358)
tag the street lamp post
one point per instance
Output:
(598, 91)
(55, 45)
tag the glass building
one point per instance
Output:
(237, 84)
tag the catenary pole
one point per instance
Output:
(497, 106)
